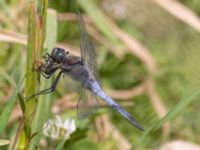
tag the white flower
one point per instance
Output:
(57, 129)
(70, 126)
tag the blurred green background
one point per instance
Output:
(148, 55)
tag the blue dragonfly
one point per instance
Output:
(80, 73)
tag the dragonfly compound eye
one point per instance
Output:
(58, 54)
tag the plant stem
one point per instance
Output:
(36, 37)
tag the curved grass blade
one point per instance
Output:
(171, 114)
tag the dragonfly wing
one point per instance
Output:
(87, 48)
(70, 84)
(88, 102)
(87, 105)
(73, 79)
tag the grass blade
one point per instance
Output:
(61, 145)
(5, 115)
(171, 114)
(21, 102)
(43, 108)
(44, 102)
(36, 37)
(98, 19)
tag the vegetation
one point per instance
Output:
(148, 61)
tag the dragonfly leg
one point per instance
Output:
(46, 72)
(47, 76)
(48, 90)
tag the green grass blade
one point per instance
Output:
(98, 19)
(61, 145)
(44, 101)
(5, 115)
(31, 77)
(21, 102)
(51, 33)
(36, 37)
(171, 114)
(6, 76)
(43, 108)
(22, 142)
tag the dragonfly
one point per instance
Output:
(80, 72)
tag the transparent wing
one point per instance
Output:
(87, 105)
(74, 78)
(88, 102)
(87, 49)
(70, 84)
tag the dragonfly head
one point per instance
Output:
(58, 54)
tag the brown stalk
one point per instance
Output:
(127, 94)
(105, 128)
(67, 102)
(13, 37)
(133, 45)
(17, 135)
(181, 12)
(144, 55)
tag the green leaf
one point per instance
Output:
(61, 145)
(84, 144)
